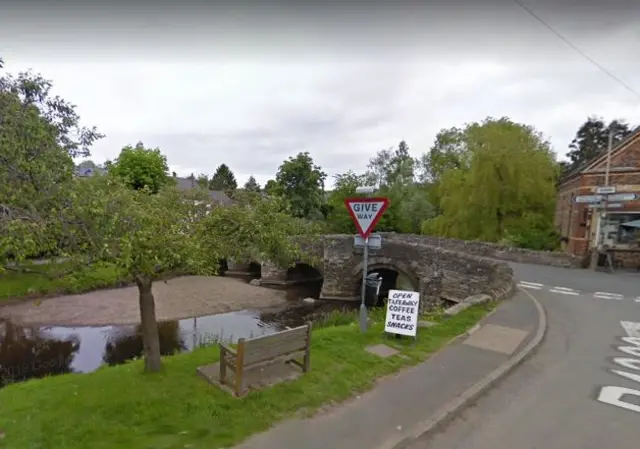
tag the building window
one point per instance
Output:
(621, 230)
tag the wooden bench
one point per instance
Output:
(285, 346)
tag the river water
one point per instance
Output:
(32, 352)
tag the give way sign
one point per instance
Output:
(366, 212)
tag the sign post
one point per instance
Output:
(365, 212)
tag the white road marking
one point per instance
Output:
(532, 286)
(613, 395)
(613, 295)
(564, 291)
(605, 295)
(631, 350)
(630, 376)
(631, 340)
(627, 363)
(632, 329)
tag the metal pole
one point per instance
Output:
(363, 307)
(603, 207)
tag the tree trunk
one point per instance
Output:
(150, 336)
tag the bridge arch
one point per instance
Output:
(395, 275)
(304, 272)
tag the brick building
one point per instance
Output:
(580, 223)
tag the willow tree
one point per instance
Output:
(494, 179)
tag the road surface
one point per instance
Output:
(581, 390)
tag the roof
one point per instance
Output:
(88, 171)
(217, 196)
(620, 146)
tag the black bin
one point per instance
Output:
(372, 284)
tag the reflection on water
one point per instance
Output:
(27, 353)
(37, 352)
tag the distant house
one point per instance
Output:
(85, 172)
(217, 196)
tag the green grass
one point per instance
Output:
(120, 407)
(44, 280)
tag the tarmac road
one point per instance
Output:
(565, 396)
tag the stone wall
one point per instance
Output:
(436, 272)
(492, 250)
(438, 268)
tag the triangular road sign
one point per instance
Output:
(366, 212)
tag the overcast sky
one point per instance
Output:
(252, 85)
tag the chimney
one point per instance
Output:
(174, 174)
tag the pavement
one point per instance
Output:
(402, 407)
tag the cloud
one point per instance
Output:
(211, 86)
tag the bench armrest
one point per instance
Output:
(228, 349)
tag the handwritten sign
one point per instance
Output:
(402, 312)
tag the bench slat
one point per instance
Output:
(289, 334)
(281, 358)
(285, 346)
(256, 353)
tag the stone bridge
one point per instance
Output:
(440, 269)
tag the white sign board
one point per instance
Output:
(622, 197)
(402, 312)
(374, 241)
(588, 199)
(606, 189)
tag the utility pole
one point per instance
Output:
(603, 208)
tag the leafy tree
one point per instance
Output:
(301, 182)
(147, 236)
(139, 168)
(33, 93)
(223, 179)
(252, 185)
(392, 166)
(203, 181)
(261, 231)
(447, 153)
(504, 184)
(271, 187)
(394, 171)
(592, 139)
(338, 218)
(39, 135)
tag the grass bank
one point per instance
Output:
(52, 279)
(119, 407)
